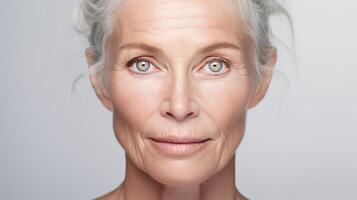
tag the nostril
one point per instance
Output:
(178, 117)
(179, 112)
(169, 114)
(190, 114)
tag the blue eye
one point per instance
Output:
(215, 67)
(142, 65)
(139, 66)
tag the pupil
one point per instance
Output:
(143, 65)
(215, 66)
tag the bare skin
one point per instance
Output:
(179, 95)
(219, 186)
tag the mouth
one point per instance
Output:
(175, 140)
(178, 147)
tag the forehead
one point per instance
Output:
(183, 21)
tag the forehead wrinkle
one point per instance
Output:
(158, 11)
(199, 20)
(153, 32)
(172, 18)
(146, 23)
(151, 26)
(190, 4)
(155, 14)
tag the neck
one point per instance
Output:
(138, 185)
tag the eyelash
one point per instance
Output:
(225, 62)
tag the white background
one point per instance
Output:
(300, 142)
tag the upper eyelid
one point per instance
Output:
(138, 59)
(224, 60)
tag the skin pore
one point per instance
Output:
(179, 94)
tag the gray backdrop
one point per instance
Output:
(300, 142)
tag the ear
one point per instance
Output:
(95, 78)
(264, 82)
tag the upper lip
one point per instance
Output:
(180, 140)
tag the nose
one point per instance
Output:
(179, 104)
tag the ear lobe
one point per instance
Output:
(95, 78)
(264, 81)
(259, 93)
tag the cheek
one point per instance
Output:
(225, 102)
(134, 100)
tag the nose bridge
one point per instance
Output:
(180, 88)
(180, 100)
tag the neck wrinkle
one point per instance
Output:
(139, 185)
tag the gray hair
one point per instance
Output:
(94, 19)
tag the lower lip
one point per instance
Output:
(179, 149)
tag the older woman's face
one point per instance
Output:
(179, 72)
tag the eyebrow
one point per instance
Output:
(156, 50)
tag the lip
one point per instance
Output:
(180, 140)
(179, 146)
